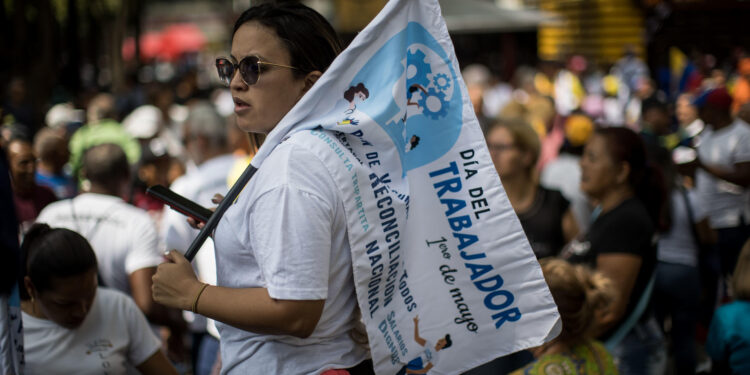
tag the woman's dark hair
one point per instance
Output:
(448, 341)
(349, 94)
(645, 178)
(310, 39)
(49, 253)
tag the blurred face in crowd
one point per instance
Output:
(68, 301)
(476, 93)
(685, 112)
(658, 120)
(599, 173)
(509, 160)
(260, 106)
(53, 151)
(644, 88)
(22, 165)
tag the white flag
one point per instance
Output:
(445, 277)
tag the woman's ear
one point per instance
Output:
(528, 160)
(310, 79)
(29, 287)
(623, 173)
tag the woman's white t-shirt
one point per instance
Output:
(287, 233)
(679, 246)
(113, 339)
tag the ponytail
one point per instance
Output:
(579, 294)
(651, 191)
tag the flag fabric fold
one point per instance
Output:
(445, 277)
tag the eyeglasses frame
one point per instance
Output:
(236, 68)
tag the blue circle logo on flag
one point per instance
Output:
(409, 88)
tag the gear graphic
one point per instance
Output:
(422, 69)
(441, 81)
(432, 99)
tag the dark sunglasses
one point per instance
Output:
(249, 68)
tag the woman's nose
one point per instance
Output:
(237, 83)
(81, 309)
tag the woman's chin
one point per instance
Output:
(249, 126)
(246, 125)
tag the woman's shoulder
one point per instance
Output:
(293, 167)
(630, 213)
(114, 303)
(553, 197)
(290, 159)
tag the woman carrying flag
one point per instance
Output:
(285, 301)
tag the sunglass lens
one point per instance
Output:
(226, 70)
(250, 69)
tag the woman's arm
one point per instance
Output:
(739, 175)
(250, 309)
(569, 225)
(706, 235)
(623, 270)
(417, 338)
(157, 364)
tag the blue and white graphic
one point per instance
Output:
(445, 277)
(411, 100)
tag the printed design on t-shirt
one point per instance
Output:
(577, 248)
(101, 348)
(98, 345)
(557, 365)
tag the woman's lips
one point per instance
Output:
(240, 105)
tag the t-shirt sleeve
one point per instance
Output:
(626, 233)
(143, 343)
(144, 251)
(291, 234)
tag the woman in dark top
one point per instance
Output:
(544, 214)
(621, 242)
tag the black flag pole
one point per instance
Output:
(213, 221)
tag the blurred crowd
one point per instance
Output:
(645, 183)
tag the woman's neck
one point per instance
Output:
(521, 190)
(30, 308)
(614, 197)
